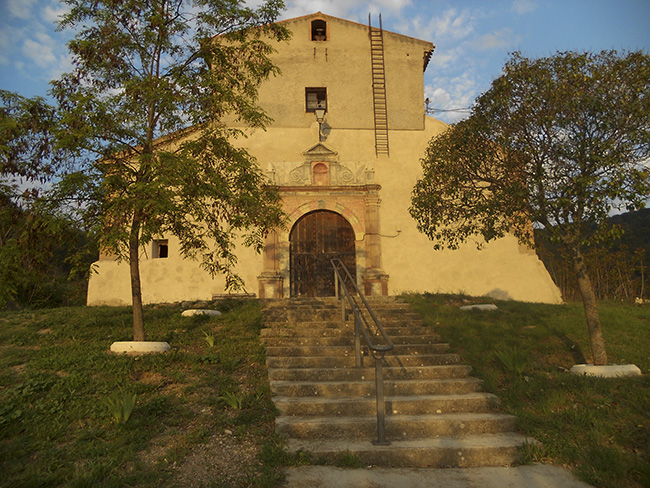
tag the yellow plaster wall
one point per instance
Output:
(166, 280)
(502, 269)
(342, 64)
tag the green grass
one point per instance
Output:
(598, 427)
(210, 394)
(60, 390)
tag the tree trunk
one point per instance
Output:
(136, 293)
(591, 312)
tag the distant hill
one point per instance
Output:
(617, 272)
(636, 226)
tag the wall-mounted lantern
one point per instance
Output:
(320, 118)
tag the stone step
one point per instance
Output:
(342, 340)
(307, 325)
(327, 314)
(359, 389)
(336, 323)
(336, 307)
(342, 351)
(336, 329)
(435, 452)
(375, 301)
(349, 361)
(436, 415)
(398, 427)
(408, 405)
(368, 373)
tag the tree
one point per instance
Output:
(44, 255)
(556, 142)
(39, 240)
(27, 140)
(153, 83)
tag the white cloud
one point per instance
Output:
(451, 25)
(5, 45)
(389, 5)
(451, 96)
(335, 8)
(40, 50)
(501, 39)
(21, 9)
(53, 12)
(445, 58)
(523, 7)
(62, 65)
(347, 9)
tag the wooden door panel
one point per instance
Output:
(315, 239)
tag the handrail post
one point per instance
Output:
(336, 285)
(360, 327)
(357, 339)
(381, 405)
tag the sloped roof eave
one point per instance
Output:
(427, 46)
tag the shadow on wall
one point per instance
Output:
(499, 294)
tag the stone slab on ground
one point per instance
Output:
(486, 307)
(139, 347)
(193, 312)
(534, 476)
(607, 371)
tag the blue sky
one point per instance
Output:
(472, 37)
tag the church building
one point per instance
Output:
(349, 128)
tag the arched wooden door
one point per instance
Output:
(316, 238)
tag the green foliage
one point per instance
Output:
(513, 358)
(40, 244)
(57, 377)
(120, 405)
(596, 426)
(27, 147)
(233, 399)
(556, 143)
(552, 143)
(348, 460)
(619, 272)
(160, 93)
(209, 338)
(44, 257)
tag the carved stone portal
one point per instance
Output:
(321, 182)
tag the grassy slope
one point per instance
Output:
(598, 427)
(56, 374)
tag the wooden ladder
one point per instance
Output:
(379, 87)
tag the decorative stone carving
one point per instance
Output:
(320, 152)
(299, 173)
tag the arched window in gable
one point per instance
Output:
(319, 30)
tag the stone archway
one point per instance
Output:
(315, 239)
(359, 206)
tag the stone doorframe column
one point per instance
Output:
(359, 205)
(375, 281)
(271, 280)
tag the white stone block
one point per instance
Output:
(607, 371)
(139, 347)
(193, 312)
(480, 306)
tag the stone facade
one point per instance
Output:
(335, 167)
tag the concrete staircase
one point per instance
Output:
(436, 414)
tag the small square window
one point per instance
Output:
(160, 248)
(315, 98)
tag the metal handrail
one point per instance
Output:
(341, 276)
